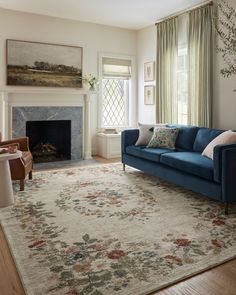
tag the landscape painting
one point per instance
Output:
(43, 64)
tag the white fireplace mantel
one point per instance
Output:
(43, 90)
(17, 96)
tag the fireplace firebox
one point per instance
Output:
(49, 140)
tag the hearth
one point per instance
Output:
(49, 140)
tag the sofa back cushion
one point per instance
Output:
(204, 137)
(186, 136)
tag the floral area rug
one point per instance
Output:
(100, 231)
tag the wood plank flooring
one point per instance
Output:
(10, 283)
(220, 280)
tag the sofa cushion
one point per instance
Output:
(227, 137)
(190, 162)
(186, 137)
(204, 137)
(152, 154)
(164, 138)
(146, 132)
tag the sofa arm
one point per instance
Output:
(128, 137)
(23, 143)
(225, 170)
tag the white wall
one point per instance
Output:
(146, 46)
(93, 38)
(224, 99)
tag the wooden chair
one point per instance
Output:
(23, 166)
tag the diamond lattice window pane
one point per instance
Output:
(113, 102)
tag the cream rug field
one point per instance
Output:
(98, 230)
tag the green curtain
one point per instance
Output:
(166, 78)
(200, 56)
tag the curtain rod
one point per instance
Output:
(188, 10)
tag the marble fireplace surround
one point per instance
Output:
(20, 115)
(59, 98)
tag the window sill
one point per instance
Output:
(112, 135)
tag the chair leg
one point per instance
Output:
(30, 175)
(22, 185)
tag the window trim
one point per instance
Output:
(132, 107)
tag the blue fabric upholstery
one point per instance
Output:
(189, 169)
(186, 138)
(217, 157)
(228, 174)
(128, 137)
(203, 137)
(152, 154)
(189, 181)
(190, 162)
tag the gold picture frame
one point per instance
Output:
(149, 94)
(149, 71)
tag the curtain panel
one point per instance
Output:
(200, 58)
(200, 53)
(166, 80)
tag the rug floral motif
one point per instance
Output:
(101, 231)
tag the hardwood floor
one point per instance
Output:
(10, 283)
(220, 280)
(106, 161)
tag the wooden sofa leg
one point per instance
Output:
(123, 167)
(22, 184)
(226, 208)
(30, 175)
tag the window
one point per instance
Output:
(115, 92)
(182, 85)
(182, 70)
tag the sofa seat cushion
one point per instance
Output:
(190, 162)
(152, 154)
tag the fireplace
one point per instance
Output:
(49, 140)
(23, 114)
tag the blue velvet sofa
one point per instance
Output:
(185, 166)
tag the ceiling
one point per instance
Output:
(130, 14)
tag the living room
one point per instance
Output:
(105, 38)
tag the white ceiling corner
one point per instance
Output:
(129, 14)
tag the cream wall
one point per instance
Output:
(146, 46)
(224, 108)
(224, 99)
(93, 38)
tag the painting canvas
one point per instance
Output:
(149, 92)
(149, 71)
(43, 64)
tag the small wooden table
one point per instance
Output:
(6, 191)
